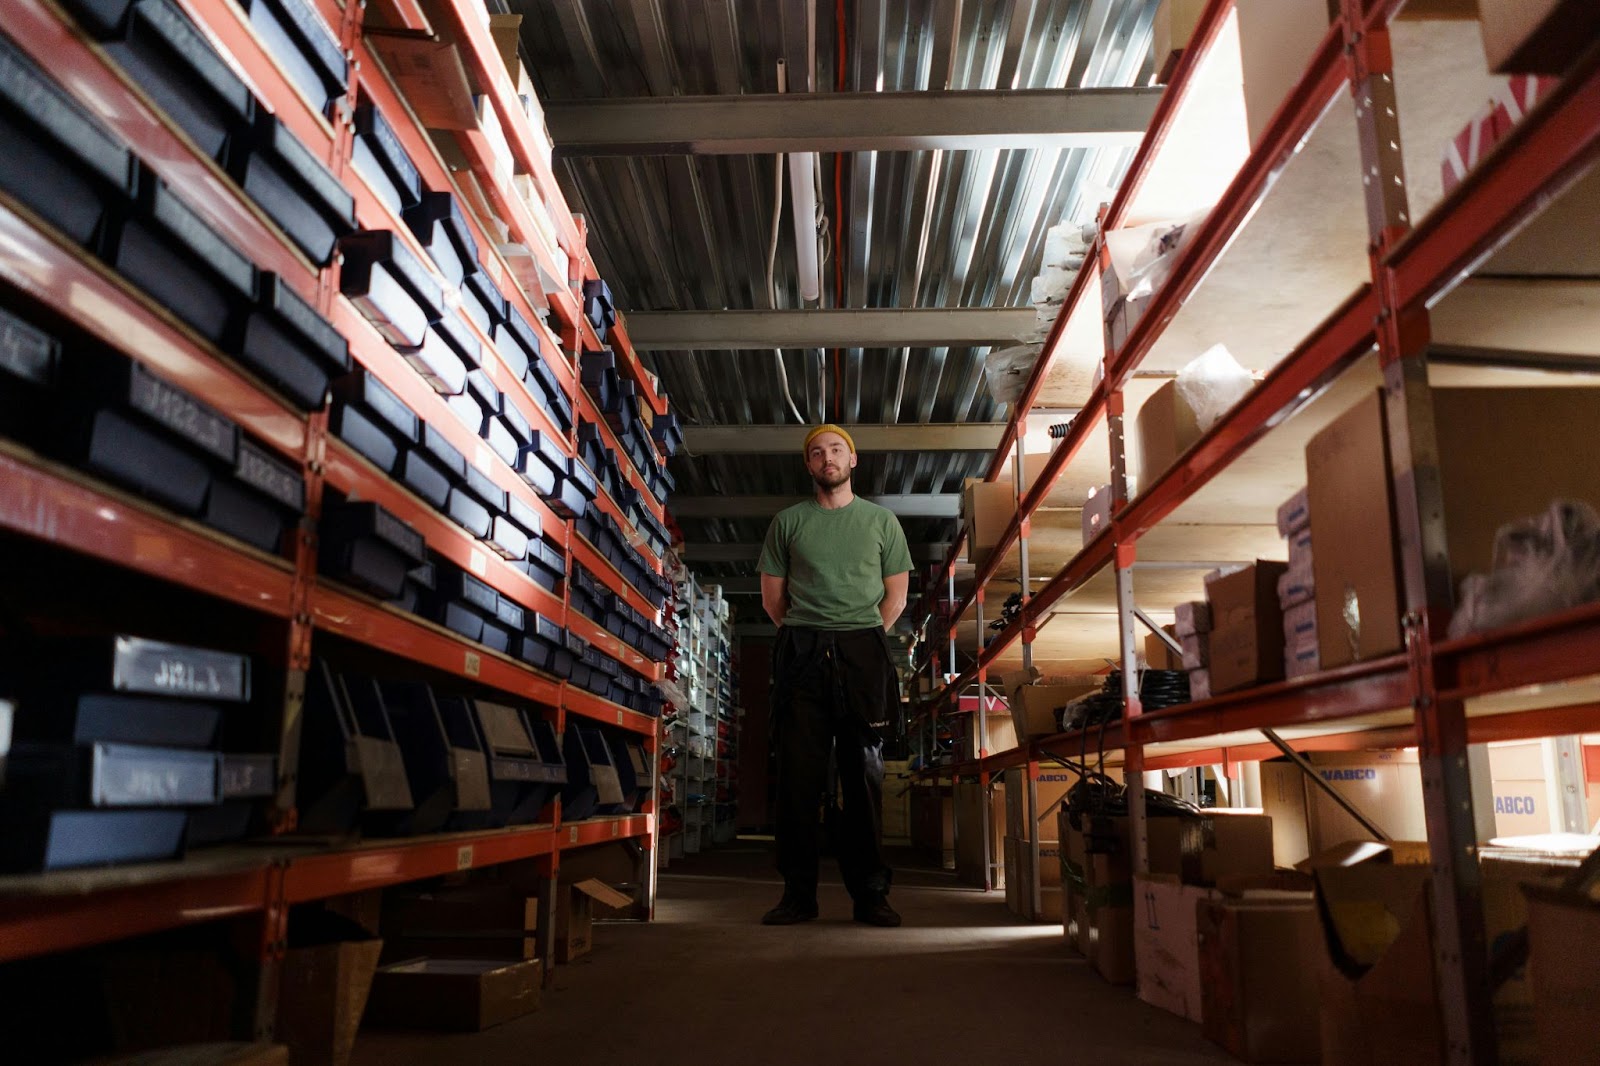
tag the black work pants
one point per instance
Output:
(832, 690)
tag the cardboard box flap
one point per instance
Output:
(603, 893)
(1281, 884)
(1366, 907)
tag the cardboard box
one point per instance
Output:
(1283, 799)
(987, 508)
(1050, 787)
(1386, 786)
(1258, 978)
(1001, 727)
(1074, 899)
(1199, 685)
(1247, 627)
(1019, 881)
(1157, 656)
(507, 33)
(1218, 845)
(575, 916)
(971, 808)
(1536, 36)
(1356, 568)
(1376, 985)
(1108, 910)
(933, 824)
(1277, 39)
(1166, 944)
(1164, 429)
(458, 995)
(432, 78)
(321, 996)
(1175, 24)
(1034, 707)
(1193, 617)
(896, 803)
(1564, 955)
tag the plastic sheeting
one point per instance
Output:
(1542, 564)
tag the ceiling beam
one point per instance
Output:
(782, 440)
(762, 124)
(915, 505)
(884, 327)
(921, 554)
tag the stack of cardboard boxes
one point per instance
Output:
(1246, 641)
(1050, 788)
(1193, 630)
(1297, 589)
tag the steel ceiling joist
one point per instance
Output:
(902, 437)
(927, 327)
(922, 505)
(765, 123)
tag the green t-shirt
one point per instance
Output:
(835, 561)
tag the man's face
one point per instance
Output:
(829, 460)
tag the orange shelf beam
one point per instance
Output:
(608, 642)
(60, 508)
(601, 567)
(348, 614)
(381, 865)
(593, 831)
(595, 709)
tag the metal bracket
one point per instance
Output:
(1316, 779)
(1166, 638)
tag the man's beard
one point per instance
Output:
(825, 480)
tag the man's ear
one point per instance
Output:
(854, 458)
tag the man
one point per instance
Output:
(834, 572)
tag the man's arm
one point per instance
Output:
(894, 597)
(775, 597)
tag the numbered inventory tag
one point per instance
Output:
(473, 664)
(478, 563)
(464, 857)
(572, 835)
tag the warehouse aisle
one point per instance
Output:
(962, 982)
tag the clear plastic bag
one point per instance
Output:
(1007, 370)
(1212, 384)
(1542, 564)
(1143, 255)
(1066, 244)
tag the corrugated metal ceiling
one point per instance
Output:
(921, 229)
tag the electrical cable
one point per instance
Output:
(772, 261)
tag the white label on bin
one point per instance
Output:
(473, 664)
(464, 857)
(478, 563)
(572, 835)
(619, 717)
(484, 459)
(616, 829)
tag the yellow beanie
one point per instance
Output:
(805, 449)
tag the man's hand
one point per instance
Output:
(894, 598)
(775, 597)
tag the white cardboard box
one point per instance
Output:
(1166, 943)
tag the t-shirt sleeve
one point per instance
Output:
(775, 550)
(896, 555)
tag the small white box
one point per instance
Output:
(1199, 685)
(1096, 513)
(1193, 617)
(1295, 514)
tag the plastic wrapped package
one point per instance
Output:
(1143, 256)
(1212, 384)
(1542, 564)
(1051, 286)
(1007, 370)
(1066, 244)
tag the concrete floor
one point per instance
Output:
(962, 982)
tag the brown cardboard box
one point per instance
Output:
(1283, 799)
(575, 916)
(432, 78)
(1002, 730)
(1157, 655)
(1537, 36)
(507, 32)
(1166, 946)
(458, 995)
(1564, 955)
(1486, 484)
(1219, 844)
(1033, 707)
(1247, 627)
(987, 508)
(1277, 39)
(1377, 982)
(933, 824)
(1050, 785)
(1074, 900)
(1019, 881)
(1258, 978)
(969, 808)
(1385, 785)
(1175, 23)
(1506, 873)
(1437, 10)
(896, 803)
(321, 996)
(1165, 428)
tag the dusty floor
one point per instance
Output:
(962, 982)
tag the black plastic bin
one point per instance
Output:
(285, 340)
(293, 187)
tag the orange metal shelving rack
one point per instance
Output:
(42, 914)
(1547, 151)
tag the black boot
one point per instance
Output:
(792, 909)
(876, 911)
